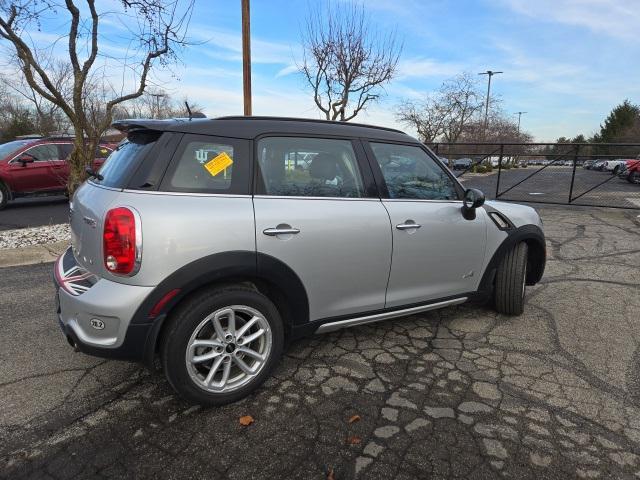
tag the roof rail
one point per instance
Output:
(310, 120)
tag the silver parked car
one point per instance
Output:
(208, 244)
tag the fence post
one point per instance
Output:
(573, 174)
(499, 170)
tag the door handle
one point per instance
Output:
(408, 225)
(280, 231)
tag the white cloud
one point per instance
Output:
(616, 18)
(288, 70)
(427, 67)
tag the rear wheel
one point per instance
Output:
(634, 177)
(221, 345)
(4, 195)
(616, 170)
(511, 281)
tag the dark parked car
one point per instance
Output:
(598, 165)
(462, 163)
(588, 164)
(38, 166)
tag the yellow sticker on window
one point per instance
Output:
(218, 164)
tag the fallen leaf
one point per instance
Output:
(330, 475)
(355, 418)
(246, 420)
(353, 440)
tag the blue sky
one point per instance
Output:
(566, 62)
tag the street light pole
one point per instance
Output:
(246, 56)
(519, 116)
(490, 74)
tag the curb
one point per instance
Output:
(15, 257)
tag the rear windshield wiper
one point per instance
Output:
(93, 174)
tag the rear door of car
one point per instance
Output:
(317, 211)
(437, 253)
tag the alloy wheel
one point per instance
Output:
(228, 348)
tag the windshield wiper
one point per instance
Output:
(93, 174)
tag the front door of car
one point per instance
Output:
(36, 174)
(316, 212)
(437, 253)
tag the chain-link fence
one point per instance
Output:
(604, 174)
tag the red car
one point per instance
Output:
(632, 173)
(38, 166)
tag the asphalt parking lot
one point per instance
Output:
(553, 183)
(458, 393)
(34, 212)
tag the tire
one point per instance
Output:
(634, 177)
(4, 195)
(510, 281)
(195, 321)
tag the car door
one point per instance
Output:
(38, 174)
(317, 211)
(437, 253)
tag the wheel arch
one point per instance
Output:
(7, 188)
(268, 275)
(533, 236)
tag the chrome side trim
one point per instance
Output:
(351, 322)
(184, 194)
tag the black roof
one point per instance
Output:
(251, 127)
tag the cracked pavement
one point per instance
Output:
(458, 393)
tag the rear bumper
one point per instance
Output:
(95, 314)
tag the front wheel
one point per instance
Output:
(221, 345)
(511, 281)
(634, 177)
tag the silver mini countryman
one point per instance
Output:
(205, 245)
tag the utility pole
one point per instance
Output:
(157, 98)
(519, 116)
(490, 73)
(246, 56)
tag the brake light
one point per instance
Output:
(121, 241)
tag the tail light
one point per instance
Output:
(122, 241)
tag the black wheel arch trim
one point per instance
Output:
(534, 237)
(264, 270)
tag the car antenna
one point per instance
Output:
(186, 104)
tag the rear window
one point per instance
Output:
(119, 166)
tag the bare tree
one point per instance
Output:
(48, 117)
(346, 63)
(444, 114)
(88, 98)
(156, 104)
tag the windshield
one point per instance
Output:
(122, 162)
(8, 148)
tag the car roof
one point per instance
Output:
(251, 127)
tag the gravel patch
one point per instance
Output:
(25, 237)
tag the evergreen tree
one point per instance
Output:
(619, 121)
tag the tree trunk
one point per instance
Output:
(83, 155)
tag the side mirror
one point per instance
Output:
(473, 198)
(25, 158)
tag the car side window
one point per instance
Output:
(43, 153)
(411, 173)
(308, 167)
(204, 164)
